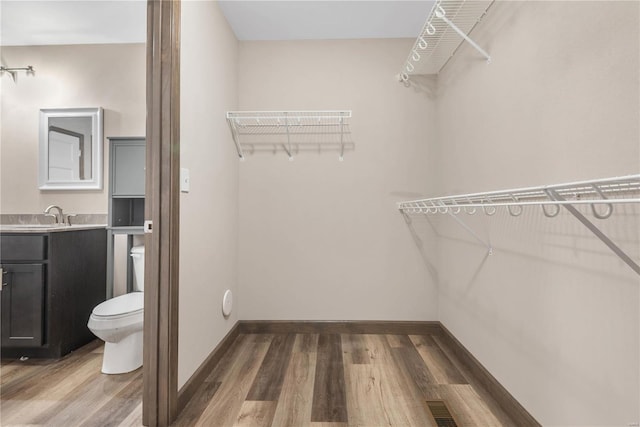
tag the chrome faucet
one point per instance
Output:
(59, 217)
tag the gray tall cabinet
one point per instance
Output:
(126, 199)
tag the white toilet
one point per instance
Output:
(118, 322)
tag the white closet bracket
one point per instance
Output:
(440, 13)
(234, 135)
(553, 195)
(286, 123)
(341, 158)
(473, 233)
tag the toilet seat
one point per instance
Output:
(121, 306)
(118, 317)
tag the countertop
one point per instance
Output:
(46, 228)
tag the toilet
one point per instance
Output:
(118, 322)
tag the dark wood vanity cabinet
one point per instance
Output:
(50, 284)
(22, 308)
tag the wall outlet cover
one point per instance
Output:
(227, 303)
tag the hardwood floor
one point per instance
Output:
(338, 380)
(69, 392)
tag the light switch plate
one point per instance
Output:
(185, 182)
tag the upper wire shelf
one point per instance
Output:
(449, 23)
(290, 131)
(606, 192)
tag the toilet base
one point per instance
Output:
(123, 356)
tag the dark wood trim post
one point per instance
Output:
(162, 207)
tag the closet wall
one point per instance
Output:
(318, 238)
(209, 211)
(553, 314)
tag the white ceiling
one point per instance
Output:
(45, 22)
(24, 23)
(326, 19)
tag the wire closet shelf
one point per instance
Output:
(13, 71)
(449, 23)
(291, 131)
(600, 194)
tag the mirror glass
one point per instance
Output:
(71, 149)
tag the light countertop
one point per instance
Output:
(46, 228)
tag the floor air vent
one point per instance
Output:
(441, 414)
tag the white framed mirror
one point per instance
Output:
(70, 149)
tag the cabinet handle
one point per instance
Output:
(2, 273)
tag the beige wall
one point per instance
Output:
(319, 238)
(209, 212)
(553, 314)
(107, 76)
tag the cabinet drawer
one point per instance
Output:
(23, 247)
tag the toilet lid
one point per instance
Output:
(124, 304)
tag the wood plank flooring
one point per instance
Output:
(338, 380)
(69, 392)
(264, 380)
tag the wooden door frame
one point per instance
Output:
(162, 208)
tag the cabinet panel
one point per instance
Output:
(128, 169)
(22, 305)
(23, 247)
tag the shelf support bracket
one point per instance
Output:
(341, 158)
(553, 195)
(473, 233)
(440, 14)
(286, 123)
(234, 135)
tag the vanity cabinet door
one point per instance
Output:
(22, 305)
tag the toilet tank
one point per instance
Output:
(137, 254)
